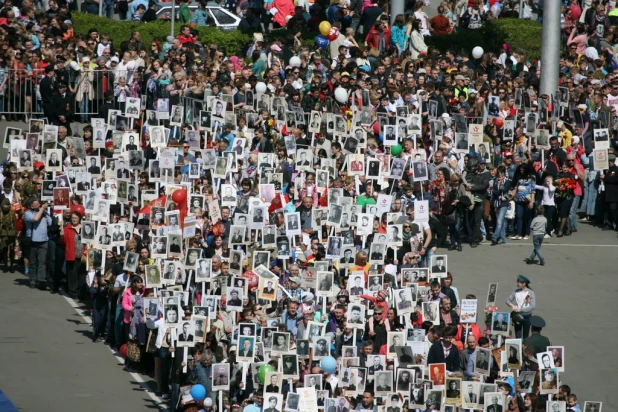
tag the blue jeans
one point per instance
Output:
(83, 108)
(426, 260)
(537, 241)
(573, 214)
(590, 197)
(455, 230)
(523, 331)
(522, 218)
(108, 9)
(500, 231)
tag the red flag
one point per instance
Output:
(159, 202)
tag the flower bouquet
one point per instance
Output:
(565, 187)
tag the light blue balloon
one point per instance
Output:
(328, 364)
(198, 392)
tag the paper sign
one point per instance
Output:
(384, 203)
(468, 311)
(421, 211)
(308, 400)
(189, 227)
(475, 134)
(214, 210)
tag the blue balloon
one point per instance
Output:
(321, 41)
(198, 392)
(328, 364)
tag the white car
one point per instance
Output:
(221, 17)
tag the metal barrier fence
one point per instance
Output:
(23, 97)
(22, 94)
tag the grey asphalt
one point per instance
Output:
(575, 295)
(49, 362)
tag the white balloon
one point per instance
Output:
(341, 95)
(207, 402)
(477, 52)
(295, 61)
(260, 87)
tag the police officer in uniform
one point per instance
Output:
(46, 86)
(62, 106)
(536, 340)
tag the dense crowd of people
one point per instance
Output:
(272, 226)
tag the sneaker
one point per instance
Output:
(515, 238)
(542, 263)
(528, 261)
(526, 237)
(165, 396)
(546, 236)
(483, 242)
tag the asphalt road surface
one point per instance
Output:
(49, 362)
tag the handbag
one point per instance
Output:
(134, 352)
(517, 318)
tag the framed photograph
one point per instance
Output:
(431, 312)
(470, 397)
(333, 247)
(393, 340)
(500, 323)
(493, 401)
(267, 289)
(513, 351)
(61, 198)
(246, 348)
(234, 299)
(235, 262)
(220, 376)
(439, 266)
(590, 406)
(314, 381)
(289, 366)
(420, 171)
(491, 295)
(321, 347)
(557, 353)
(292, 402)
(453, 391)
(417, 395)
(281, 343)
(356, 316)
(325, 283)
(292, 224)
(481, 364)
(377, 253)
(13, 133)
(383, 383)
(390, 135)
(171, 313)
(601, 139)
(404, 302)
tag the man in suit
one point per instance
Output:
(383, 385)
(122, 172)
(494, 407)
(403, 384)
(272, 405)
(94, 169)
(390, 133)
(403, 303)
(499, 323)
(185, 336)
(258, 217)
(481, 361)
(228, 195)
(347, 256)
(269, 237)
(174, 247)
(246, 351)
(377, 254)
(439, 266)
(396, 342)
(131, 196)
(341, 407)
(269, 289)
(470, 396)
(237, 237)
(303, 160)
(355, 315)
(117, 236)
(131, 145)
(136, 159)
(293, 222)
(84, 185)
(376, 367)
(234, 300)
(437, 350)
(357, 289)
(273, 387)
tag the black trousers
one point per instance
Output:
(476, 216)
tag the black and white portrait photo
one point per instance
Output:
(419, 170)
(438, 266)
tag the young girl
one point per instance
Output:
(537, 230)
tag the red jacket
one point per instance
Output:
(69, 242)
(373, 38)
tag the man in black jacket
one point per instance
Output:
(438, 349)
(62, 108)
(478, 182)
(47, 90)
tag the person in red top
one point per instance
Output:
(73, 253)
(440, 23)
(185, 35)
(380, 29)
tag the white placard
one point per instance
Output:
(421, 211)
(468, 310)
